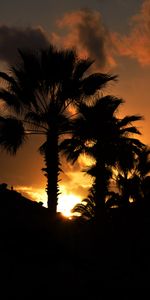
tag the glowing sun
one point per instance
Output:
(66, 203)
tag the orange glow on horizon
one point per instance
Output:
(66, 203)
(66, 200)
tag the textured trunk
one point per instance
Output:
(52, 171)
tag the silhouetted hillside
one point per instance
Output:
(58, 257)
(19, 211)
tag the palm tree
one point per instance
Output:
(37, 94)
(133, 180)
(99, 133)
(143, 170)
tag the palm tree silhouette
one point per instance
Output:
(143, 170)
(38, 93)
(100, 134)
(133, 180)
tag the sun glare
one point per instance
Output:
(66, 199)
(66, 203)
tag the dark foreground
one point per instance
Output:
(52, 259)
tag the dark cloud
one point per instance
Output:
(12, 38)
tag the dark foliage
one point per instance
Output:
(87, 259)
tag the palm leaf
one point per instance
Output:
(132, 129)
(71, 149)
(10, 99)
(81, 67)
(144, 162)
(12, 134)
(96, 81)
(36, 120)
(7, 78)
(129, 119)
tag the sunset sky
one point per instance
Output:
(115, 33)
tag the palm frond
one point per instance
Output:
(12, 134)
(71, 148)
(96, 81)
(129, 119)
(111, 103)
(9, 79)
(81, 67)
(132, 129)
(136, 142)
(144, 162)
(37, 120)
(86, 209)
(10, 99)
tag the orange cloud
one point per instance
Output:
(136, 44)
(87, 33)
(84, 30)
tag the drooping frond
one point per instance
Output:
(95, 170)
(143, 166)
(86, 208)
(7, 78)
(109, 103)
(129, 130)
(136, 142)
(37, 120)
(12, 134)
(126, 151)
(71, 149)
(81, 67)
(96, 81)
(10, 100)
(128, 120)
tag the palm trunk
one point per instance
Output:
(52, 171)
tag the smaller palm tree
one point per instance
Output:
(99, 133)
(133, 178)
